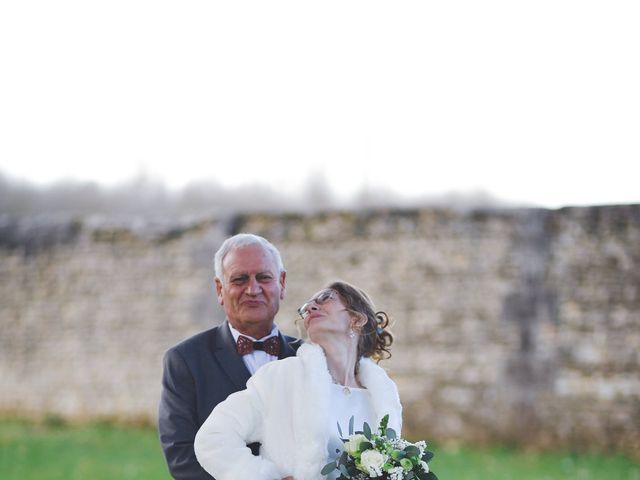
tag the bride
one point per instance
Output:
(292, 406)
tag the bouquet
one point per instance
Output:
(380, 455)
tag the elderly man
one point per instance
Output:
(205, 369)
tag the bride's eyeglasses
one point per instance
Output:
(323, 297)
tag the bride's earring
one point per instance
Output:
(352, 333)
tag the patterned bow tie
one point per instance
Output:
(245, 345)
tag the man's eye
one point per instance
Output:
(265, 278)
(238, 281)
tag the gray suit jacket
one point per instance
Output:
(199, 373)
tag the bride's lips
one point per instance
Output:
(310, 317)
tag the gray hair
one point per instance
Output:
(244, 240)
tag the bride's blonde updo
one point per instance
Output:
(374, 336)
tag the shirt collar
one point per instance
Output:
(274, 333)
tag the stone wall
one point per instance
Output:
(511, 325)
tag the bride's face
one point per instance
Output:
(325, 315)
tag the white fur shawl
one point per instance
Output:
(285, 407)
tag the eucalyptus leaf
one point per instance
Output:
(412, 451)
(431, 476)
(351, 425)
(344, 471)
(427, 456)
(328, 468)
(339, 430)
(364, 446)
(367, 430)
(391, 434)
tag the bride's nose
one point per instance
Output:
(307, 308)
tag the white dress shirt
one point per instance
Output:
(257, 358)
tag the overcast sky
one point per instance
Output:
(531, 101)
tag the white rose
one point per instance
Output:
(372, 461)
(352, 445)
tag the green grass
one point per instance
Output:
(508, 464)
(90, 452)
(55, 451)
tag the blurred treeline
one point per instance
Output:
(145, 196)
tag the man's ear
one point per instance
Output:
(219, 290)
(283, 281)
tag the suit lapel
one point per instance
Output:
(230, 361)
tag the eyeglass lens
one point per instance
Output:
(320, 299)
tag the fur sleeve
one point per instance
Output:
(384, 393)
(221, 442)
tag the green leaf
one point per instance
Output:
(344, 471)
(427, 456)
(351, 425)
(367, 430)
(391, 434)
(328, 468)
(406, 464)
(412, 451)
(431, 476)
(383, 424)
(344, 458)
(398, 454)
(339, 430)
(364, 446)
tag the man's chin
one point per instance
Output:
(257, 316)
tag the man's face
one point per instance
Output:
(252, 290)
